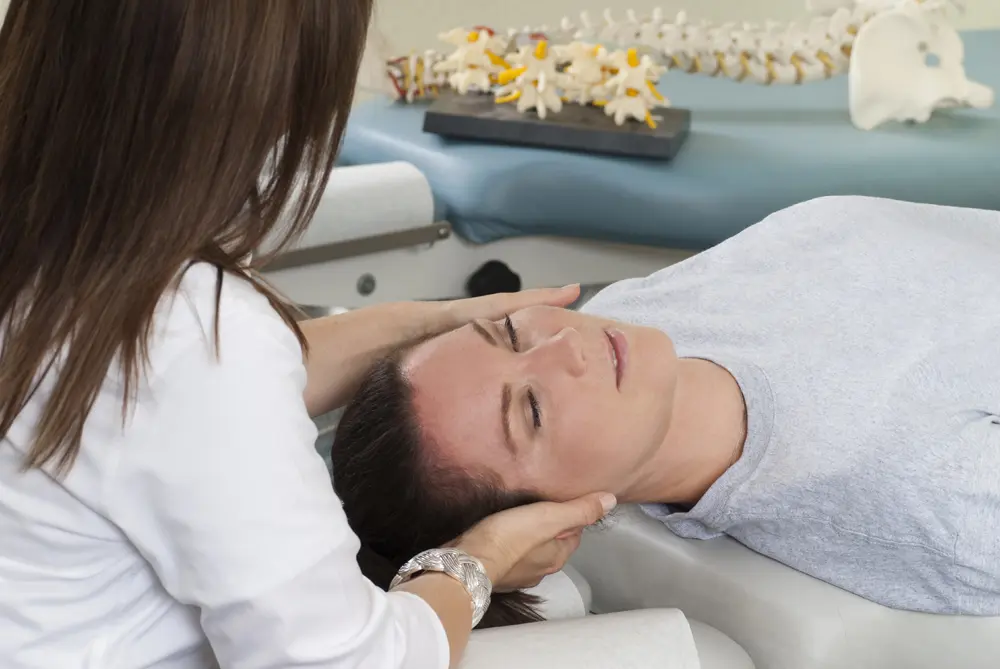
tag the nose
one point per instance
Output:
(562, 352)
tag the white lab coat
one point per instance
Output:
(206, 526)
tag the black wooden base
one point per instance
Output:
(575, 128)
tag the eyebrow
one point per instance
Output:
(505, 400)
(506, 394)
(484, 333)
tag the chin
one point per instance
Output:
(656, 353)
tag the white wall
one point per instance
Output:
(403, 25)
(413, 24)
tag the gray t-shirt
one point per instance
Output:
(865, 335)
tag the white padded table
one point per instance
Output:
(781, 617)
(648, 639)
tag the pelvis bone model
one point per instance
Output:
(907, 63)
(903, 58)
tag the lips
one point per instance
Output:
(619, 353)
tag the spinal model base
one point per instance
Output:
(580, 127)
(883, 46)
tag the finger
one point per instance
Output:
(570, 544)
(551, 556)
(561, 553)
(506, 538)
(554, 297)
(528, 584)
(534, 583)
(560, 297)
(543, 521)
(577, 531)
(544, 560)
(558, 517)
(564, 548)
(537, 563)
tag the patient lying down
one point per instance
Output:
(824, 388)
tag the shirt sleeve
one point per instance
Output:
(220, 488)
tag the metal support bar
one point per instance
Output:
(351, 248)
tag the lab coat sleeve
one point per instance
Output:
(221, 490)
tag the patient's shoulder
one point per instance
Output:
(878, 211)
(833, 210)
(841, 224)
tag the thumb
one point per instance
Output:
(505, 538)
(559, 517)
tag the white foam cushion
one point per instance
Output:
(650, 639)
(562, 596)
(782, 618)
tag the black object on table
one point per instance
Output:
(492, 277)
(576, 127)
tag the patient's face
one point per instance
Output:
(554, 402)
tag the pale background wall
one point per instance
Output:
(409, 24)
(404, 25)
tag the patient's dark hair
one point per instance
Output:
(398, 500)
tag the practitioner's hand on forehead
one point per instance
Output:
(498, 305)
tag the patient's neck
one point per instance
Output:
(706, 435)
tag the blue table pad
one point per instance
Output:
(753, 150)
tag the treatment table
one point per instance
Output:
(555, 217)
(782, 618)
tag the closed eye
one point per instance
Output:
(511, 332)
(536, 412)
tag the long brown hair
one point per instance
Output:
(400, 498)
(137, 137)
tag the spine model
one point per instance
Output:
(476, 60)
(587, 70)
(616, 64)
(533, 82)
(632, 88)
(772, 53)
(413, 77)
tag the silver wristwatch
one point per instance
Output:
(461, 566)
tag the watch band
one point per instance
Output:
(461, 566)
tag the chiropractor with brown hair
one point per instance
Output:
(161, 501)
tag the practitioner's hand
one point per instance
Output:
(520, 546)
(496, 306)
